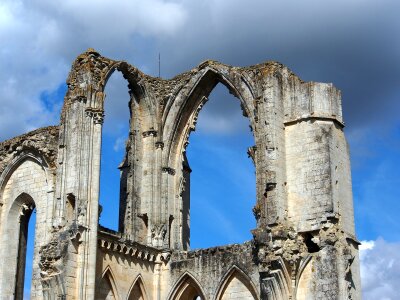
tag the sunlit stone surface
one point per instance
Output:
(303, 247)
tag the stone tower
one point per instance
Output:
(304, 244)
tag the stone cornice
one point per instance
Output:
(114, 243)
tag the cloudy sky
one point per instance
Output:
(353, 43)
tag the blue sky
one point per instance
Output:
(222, 178)
(353, 44)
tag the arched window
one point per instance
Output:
(70, 209)
(107, 289)
(21, 212)
(222, 183)
(30, 244)
(19, 246)
(305, 280)
(236, 285)
(137, 291)
(187, 289)
(113, 160)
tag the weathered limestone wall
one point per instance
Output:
(71, 269)
(304, 242)
(236, 290)
(26, 187)
(318, 175)
(29, 178)
(217, 273)
(125, 270)
(309, 172)
(342, 196)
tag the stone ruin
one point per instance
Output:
(303, 246)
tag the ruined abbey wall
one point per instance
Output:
(304, 244)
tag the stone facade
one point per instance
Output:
(304, 244)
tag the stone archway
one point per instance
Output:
(107, 289)
(295, 124)
(236, 285)
(187, 288)
(20, 212)
(25, 187)
(15, 229)
(179, 121)
(137, 290)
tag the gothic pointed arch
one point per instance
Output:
(26, 184)
(137, 291)
(276, 285)
(236, 283)
(181, 112)
(179, 120)
(16, 225)
(32, 155)
(138, 89)
(186, 288)
(88, 78)
(107, 288)
(21, 205)
(83, 112)
(304, 278)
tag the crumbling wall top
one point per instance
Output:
(90, 68)
(43, 141)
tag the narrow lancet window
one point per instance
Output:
(113, 154)
(26, 245)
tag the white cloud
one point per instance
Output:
(222, 114)
(117, 112)
(380, 270)
(222, 124)
(41, 38)
(119, 144)
(366, 245)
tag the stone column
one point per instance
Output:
(93, 201)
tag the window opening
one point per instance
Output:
(136, 293)
(222, 183)
(311, 245)
(70, 209)
(26, 253)
(114, 135)
(105, 289)
(187, 290)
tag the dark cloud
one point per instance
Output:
(352, 44)
(42, 38)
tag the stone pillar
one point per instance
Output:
(81, 178)
(93, 201)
